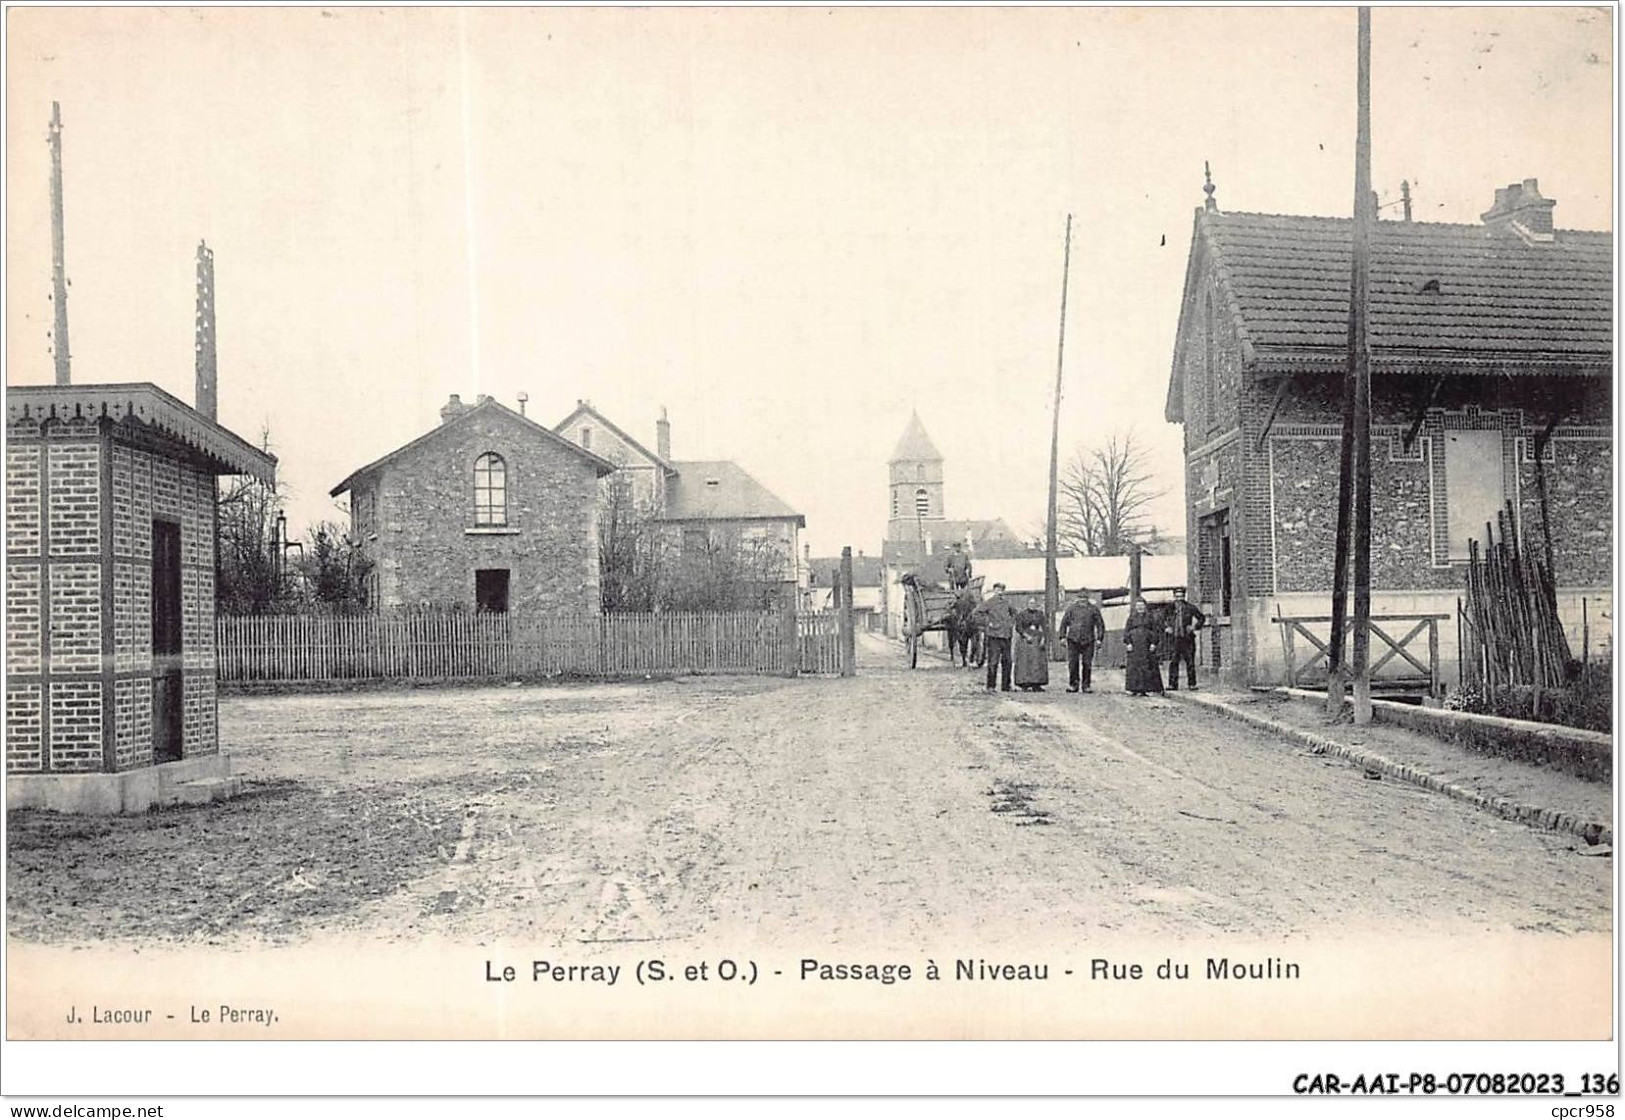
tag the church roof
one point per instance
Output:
(915, 444)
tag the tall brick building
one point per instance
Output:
(489, 511)
(110, 550)
(1491, 382)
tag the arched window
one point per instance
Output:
(922, 503)
(490, 490)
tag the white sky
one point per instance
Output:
(789, 227)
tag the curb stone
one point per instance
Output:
(1551, 820)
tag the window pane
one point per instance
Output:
(490, 490)
(1474, 490)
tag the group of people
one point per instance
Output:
(1014, 643)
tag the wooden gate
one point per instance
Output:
(1412, 672)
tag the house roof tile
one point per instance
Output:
(719, 490)
(1441, 294)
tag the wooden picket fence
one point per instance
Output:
(819, 641)
(456, 645)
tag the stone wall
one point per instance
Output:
(428, 547)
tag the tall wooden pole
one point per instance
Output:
(59, 273)
(1052, 576)
(207, 389)
(1360, 352)
(847, 624)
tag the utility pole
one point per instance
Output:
(1052, 577)
(59, 267)
(207, 391)
(1360, 356)
(1354, 429)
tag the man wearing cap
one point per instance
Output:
(958, 567)
(1183, 622)
(1082, 627)
(998, 624)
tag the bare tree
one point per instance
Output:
(247, 573)
(1105, 499)
(335, 569)
(631, 548)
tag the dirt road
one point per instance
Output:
(897, 805)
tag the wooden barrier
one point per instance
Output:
(1423, 676)
(457, 645)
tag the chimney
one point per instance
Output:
(523, 397)
(663, 436)
(207, 391)
(1405, 196)
(453, 409)
(1520, 209)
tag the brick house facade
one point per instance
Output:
(1492, 344)
(110, 561)
(489, 511)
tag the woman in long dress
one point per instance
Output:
(1031, 658)
(1140, 641)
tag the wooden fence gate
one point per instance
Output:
(1413, 674)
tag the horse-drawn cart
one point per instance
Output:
(927, 607)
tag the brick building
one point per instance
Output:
(110, 551)
(489, 511)
(1491, 382)
(702, 504)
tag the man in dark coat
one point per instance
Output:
(1082, 627)
(1184, 620)
(958, 567)
(1141, 639)
(998, 623)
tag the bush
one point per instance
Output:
(1585, 702)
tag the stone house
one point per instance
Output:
(489, 511)
(1491, 382)
(110, 603)
(701, 504)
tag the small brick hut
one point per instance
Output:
(110, 607)
(1492, 371)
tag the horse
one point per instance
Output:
(965, 633)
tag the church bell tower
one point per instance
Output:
(916, 499)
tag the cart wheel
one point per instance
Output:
(913, 651)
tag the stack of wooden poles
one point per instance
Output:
(1511, 604)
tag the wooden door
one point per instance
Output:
(167, 695)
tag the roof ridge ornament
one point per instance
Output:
(1208, 188)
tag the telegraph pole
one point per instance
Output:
(1354, 465)
(1052, 577)
(1365, 215)
(207, 391)
(59, 267)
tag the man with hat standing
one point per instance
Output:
(1082, 627)
(1183, 622)
(957, 566)
(998, 624)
